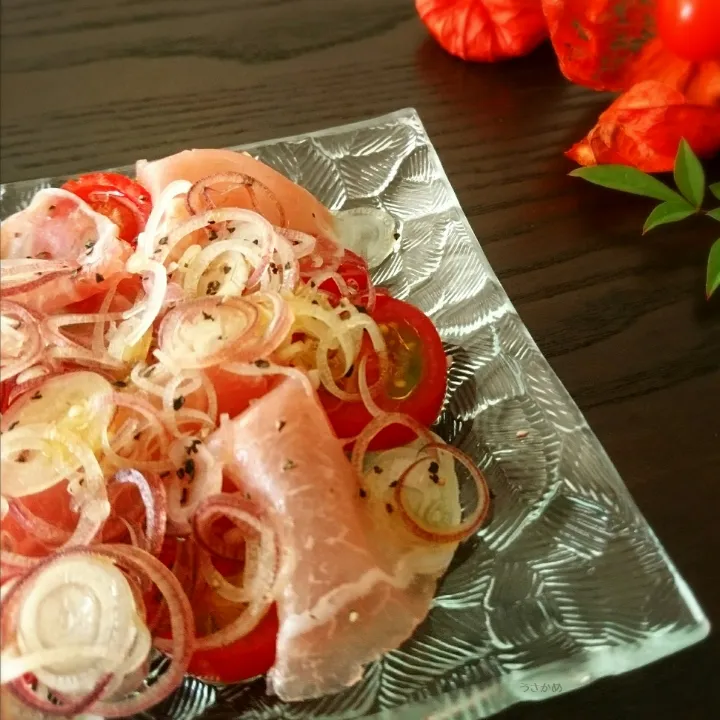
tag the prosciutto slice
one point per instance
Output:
(60, 229)
(350, 586)
(302, 211)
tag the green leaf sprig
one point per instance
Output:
(675, 205)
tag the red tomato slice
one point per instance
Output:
(354, 271)
(417, 382)
(124, 201)
(246, 658)
(5, 390)
(690, 28)
(234, 392)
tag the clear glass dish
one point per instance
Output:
(568, 583)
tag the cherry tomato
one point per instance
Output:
(234, 392)
(246, 658)
(690, 28)
(251, 655)
(124, 201)
(354, 271)
(6, 388)
(417, 380)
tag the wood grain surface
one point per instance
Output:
(89, 84)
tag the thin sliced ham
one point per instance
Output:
(303, 211)
(59, 227)
(351, 585)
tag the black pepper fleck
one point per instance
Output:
(433, 468)
(98, 278)
(36, 396)
(393, 483)
(396, 235)
(207, 316)
(13, 425)
(363, 492)
(178, 402)
(262, 364)
(184, 496)
(280, 425)
(226, 269)
(389, 507)
(137, 435)
(212, 235)
(180, 473)
(212, 287)
(120, 384)
(163, 241)
(289, 464)
(190, 467)
(165, 474)
(377, 469)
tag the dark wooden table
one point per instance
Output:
(88, 84)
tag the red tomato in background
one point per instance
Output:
(690, 28)
(124, 201)
(417, 381)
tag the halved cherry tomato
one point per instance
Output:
(417, 380)
(354, 271)
(235, 392)
(5, 390)
(124, 201)
(247, 657)
(690, 28)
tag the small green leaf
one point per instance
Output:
(627, 179)
(715, 190)
(668, 212)
(689, 174)
(713, 270)
(714, 214)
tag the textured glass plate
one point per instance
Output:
(568, 583)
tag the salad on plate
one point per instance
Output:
(216, 441)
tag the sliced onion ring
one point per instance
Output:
(198, 197)
(152, 494)
(466, 528)
(375, 426)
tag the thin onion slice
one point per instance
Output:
(261, 568)
(153, 496)
(467, 527)
(200, 200)
(377, 425)
(22, 345)
(180, 647)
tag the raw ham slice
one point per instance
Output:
(59, 226)
(350, 586)
(303, 212)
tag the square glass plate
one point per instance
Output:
(567, 583)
